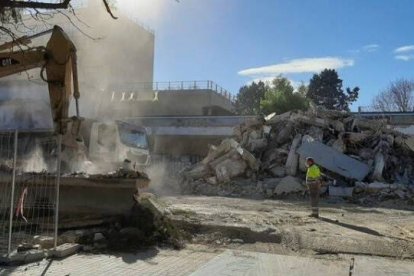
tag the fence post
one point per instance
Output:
(57, 189)
(12, 190)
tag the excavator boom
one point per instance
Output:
(58, 61)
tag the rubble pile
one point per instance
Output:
(266, 157)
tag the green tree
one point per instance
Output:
(325, 89)
(281, 97)
(302, 89)
(249, 97)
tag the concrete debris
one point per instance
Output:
(339, 145)
(277, 171)
(293, 157)
(18, 258)
(347, 148)
(98, 237)
(65, 250)
(335, 161)
(410, 143)
(379, 164)
(45, 242)
(341, 191)
(224, 163)
(289, 184)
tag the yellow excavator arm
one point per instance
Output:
(58, 68)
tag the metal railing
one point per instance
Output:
(167, 86)
(29, 198)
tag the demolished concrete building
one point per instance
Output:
(352, 151)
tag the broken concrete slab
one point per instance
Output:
(64, 250)
(356, 137)
(73, 236)
(367, 124)
(197, 172)
(293, 158)
(379, 164)
(45, 242)
(334, 161)
(249, 158)
(277, 171)
(337, 125)
(377, 186)
(229, 169)
(225, 146)
(30, 256)
(339, 145)
(313, 121)
(273, 118)
(257, 144)
(410, 143)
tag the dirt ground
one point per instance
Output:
(283, 226)
(233, 236)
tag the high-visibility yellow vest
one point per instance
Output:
(313, 173)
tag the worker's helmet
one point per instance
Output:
(310, 159)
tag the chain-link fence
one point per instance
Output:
(29, 179)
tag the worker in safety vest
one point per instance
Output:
(313, 181)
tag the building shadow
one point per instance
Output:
(141, 255)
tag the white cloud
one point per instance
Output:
(371, 47)
(405, 57)
(304, 65)
(404, 49)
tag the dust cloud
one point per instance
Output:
(115, 58)
(164, 177)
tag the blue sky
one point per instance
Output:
(233, 42)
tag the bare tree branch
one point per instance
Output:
(399, 96)
(108, 9)
(34, 4)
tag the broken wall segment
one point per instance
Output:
(333, 160)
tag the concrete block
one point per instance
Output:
(29, 256)
(65, 250)
(45, 242)
(289, 184)
(334, 161)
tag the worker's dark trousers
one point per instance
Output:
(314, 190)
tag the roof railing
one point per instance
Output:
(168, 86)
